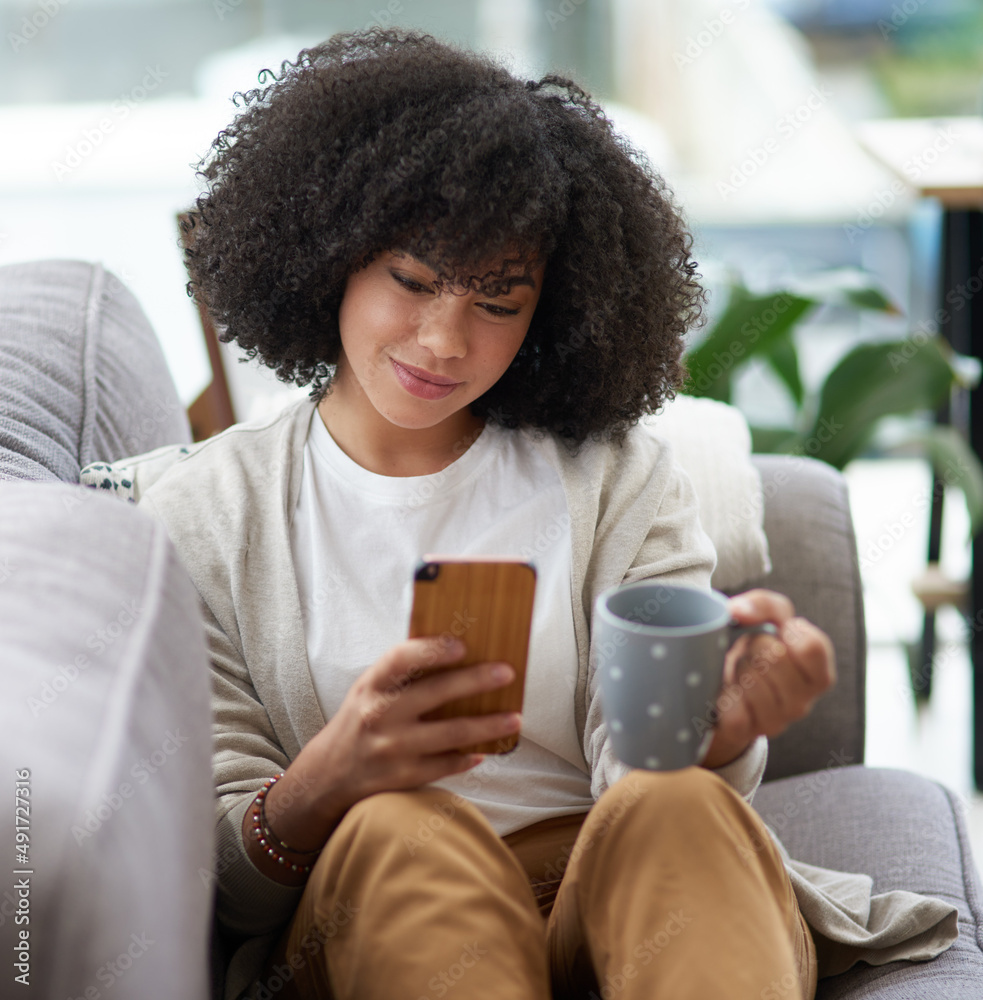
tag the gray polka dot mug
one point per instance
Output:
(660, 655)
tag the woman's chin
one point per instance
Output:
(418, 418)
(458, 420)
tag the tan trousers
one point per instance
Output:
(668, 888)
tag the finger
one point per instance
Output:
(437, 689)
(438, 736)
(745, 713)
(776, 690)
(811, 650)
(754, 607)
(424, 693)
(758, 652)
(782, 697)
(411, 659)
(757, 683)
(760, 695)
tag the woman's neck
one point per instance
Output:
(386, 449)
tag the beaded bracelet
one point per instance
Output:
(269, 841)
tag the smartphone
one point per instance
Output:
(487, 603)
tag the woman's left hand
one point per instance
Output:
(769, 681)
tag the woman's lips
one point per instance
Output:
(421, 383)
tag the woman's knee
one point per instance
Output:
(692, 795)
(390, 844)
(405, 824)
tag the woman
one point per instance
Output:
(486, 289)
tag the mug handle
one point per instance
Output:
(737, 630)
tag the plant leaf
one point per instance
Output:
(845, 286)
(874, 381)
(871, 298)
(955, 463)
(749, 325)
(784, 360)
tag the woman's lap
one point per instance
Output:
(638, 889)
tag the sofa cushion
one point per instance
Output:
(106, 703)
(82, 375)
(906, 832)
(712, 442)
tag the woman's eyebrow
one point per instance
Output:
(519, 279)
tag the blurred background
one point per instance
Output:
(770, 119)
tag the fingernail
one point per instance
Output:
(502, 672)
(514, 722)
(455, 648)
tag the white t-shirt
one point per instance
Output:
(356, 537)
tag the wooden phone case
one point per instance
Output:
(487, 604)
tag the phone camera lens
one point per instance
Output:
(427, 571)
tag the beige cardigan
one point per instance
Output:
(227, 503)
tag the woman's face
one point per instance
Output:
(420, 355)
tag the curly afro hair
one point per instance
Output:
(389, 139)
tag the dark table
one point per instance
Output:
(943, 158)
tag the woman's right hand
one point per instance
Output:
(377, 742)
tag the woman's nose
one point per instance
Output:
(443, 327)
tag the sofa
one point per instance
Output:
(106, 712)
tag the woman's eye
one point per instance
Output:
(409, 283)
(418, 288)
(498, 310)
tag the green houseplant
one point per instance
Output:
(848, 414)
(874, 380)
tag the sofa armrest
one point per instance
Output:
(82, 375)
(106, 705)
(814, 562)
